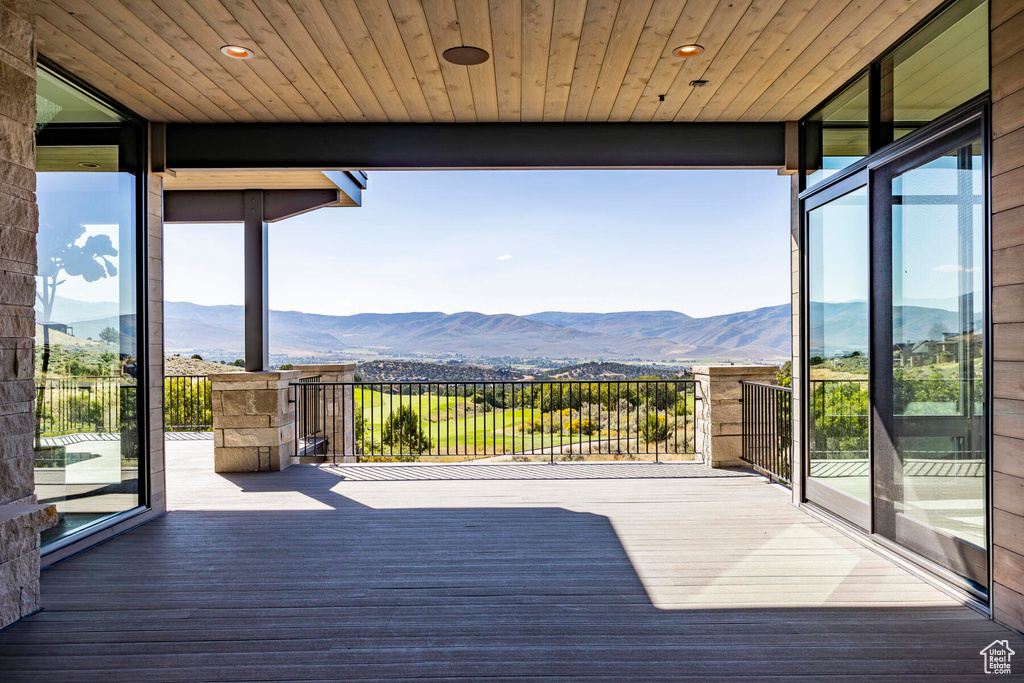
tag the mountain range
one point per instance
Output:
(760, 334)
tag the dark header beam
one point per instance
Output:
(228, 206)
(371, 146)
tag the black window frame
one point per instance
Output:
(880, 130)
(132, 137)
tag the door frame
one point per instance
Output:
(836, 502)
(976, 111)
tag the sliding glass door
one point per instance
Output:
(928, 395)
(897, 417)
(838, 229)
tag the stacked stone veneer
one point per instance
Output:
(719, 427)
(339, 430)
(253, 421)
(21, 519)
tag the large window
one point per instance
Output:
(837, 133)
(935, 70)
(88, 418)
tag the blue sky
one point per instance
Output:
(700, 242)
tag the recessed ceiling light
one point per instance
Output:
(466, 55)
(237, 52)
(88, 164)
(687, 50)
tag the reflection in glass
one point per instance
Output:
(939, 68)
(836, 135)
(86, 359)
(838, 318)
(938, 325)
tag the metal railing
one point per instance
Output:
(453, 421)
(188, 403)
(68, 405)
(768, 429)
(309, 415)
(838, 419)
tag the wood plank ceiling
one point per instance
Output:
(551, 60)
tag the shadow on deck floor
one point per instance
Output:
(310, 574)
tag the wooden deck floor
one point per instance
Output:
(506, 572)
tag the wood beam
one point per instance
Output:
(369, 146)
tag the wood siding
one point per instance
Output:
(551, 60)
(1008, 310)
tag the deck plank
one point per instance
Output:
(628, 571)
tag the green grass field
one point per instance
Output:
(459, 429)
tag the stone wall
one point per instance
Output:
(719, 427)
(1008, 311)
(253, 421)
(21, 519)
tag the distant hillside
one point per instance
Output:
(596, 371)
(178, 365)
(401, 371)
(763, 334)
(219, 329)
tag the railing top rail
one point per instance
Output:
(838, 379)
(305, 380)
(777, 387)
(78, 377)
(186, 376)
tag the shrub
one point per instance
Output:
(196, 356)
(387, 458)
(240, 363)
(582, 426)
(402, 430)
(654, 429)
(86, 411)
(531, 425)
(188, 405)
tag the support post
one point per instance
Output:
(257, 347)
(253, 421)
(719, 441)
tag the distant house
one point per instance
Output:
(945, 350)
(60, 327)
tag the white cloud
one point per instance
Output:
(505, 257)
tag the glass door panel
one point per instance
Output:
(839, 472)
(930, 446)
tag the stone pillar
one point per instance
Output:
(719, 425)
(340, 414)
(21, 519)
(253, 421)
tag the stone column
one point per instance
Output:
(253, 421)
(719, 410)
(21, 519)
(340, 432)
